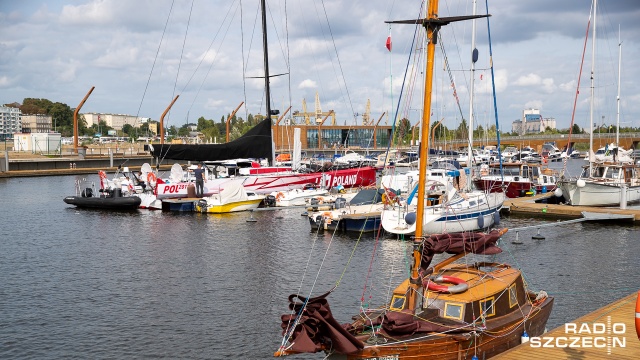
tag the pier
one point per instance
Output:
(527, 205)
(607, 333)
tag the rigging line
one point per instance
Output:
(155, 59)
(344, 79)
(184, 41)
(404, 79)
(493, 86)
(286, 25)
(277, 33)
(213, 61)
(575, 100)
(244, 83)
(207, 51)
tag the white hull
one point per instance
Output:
(297, 197)
(597, 194)
(461, 215)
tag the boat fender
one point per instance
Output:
(496, 218)
(638, 315)
(580, 183)
(481, 221)
(410, 218)
(557, 192)
(459, 285)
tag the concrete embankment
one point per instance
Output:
(70, 166)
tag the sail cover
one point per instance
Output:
(256, 143)
(457, 243)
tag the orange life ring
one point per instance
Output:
(638, 315)
(102, 174)
(458, 285)
(151, 178)
(320, 199)
(279, 196)
(545, 160)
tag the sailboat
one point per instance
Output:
(607, 181)
(457, 208)
(446, 311)
(257, 143)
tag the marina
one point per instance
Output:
(92, 283)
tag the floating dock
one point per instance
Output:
(607, 333)
(528, 206)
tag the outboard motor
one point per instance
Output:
(270, 201)
(88, 192)
(202, 203)
(340, 203)
(314, 201)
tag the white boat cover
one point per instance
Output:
(233, 192)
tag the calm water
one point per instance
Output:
(146, 284)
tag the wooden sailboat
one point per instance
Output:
(448, 311)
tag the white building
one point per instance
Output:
(9, 121)
(532, 122)
(37, 143)
(116, 121)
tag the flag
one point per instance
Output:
(389, 42)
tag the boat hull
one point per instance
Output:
(497, 338)
(107, 203)
(597, 194)
(230, 207)
(357, 223)
(266, 184)
(438, 220)
(513, 189)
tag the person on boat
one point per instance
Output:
(126, 185)
(139, 180)
(200, 180)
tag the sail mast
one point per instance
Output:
(266, 59)
(432, 35)
(474, 58)
(618, 98)
(593, 67)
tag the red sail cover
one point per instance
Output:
(458, 243)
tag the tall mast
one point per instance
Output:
(593, 69)
(474, 58)
(267, 92)
(432, 23)
(618, 98)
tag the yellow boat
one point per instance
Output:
(232, 197)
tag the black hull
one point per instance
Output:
(107, 203)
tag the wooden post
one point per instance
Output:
(75, 120)
(162, 119)
(278, 122)
(230, 116)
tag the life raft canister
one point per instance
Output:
(458, 286)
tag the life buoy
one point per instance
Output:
(458, 286)
(102, 174)
(320, 199)
(638, 315)
(151, 178)
(545, 160)
(279, 196)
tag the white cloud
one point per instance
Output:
(528, 80)
(307, 84)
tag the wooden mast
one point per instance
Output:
(432, 24)
(415, 282)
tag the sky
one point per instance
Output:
(139, 55)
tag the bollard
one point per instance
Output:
(623, 196)
(70, 165)
(74, 165)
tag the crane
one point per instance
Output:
(317, 114)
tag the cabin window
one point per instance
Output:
(480, 201)
(487, 307)
(472, 203)
(513, 296)
(397, 302)
(453, 311)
